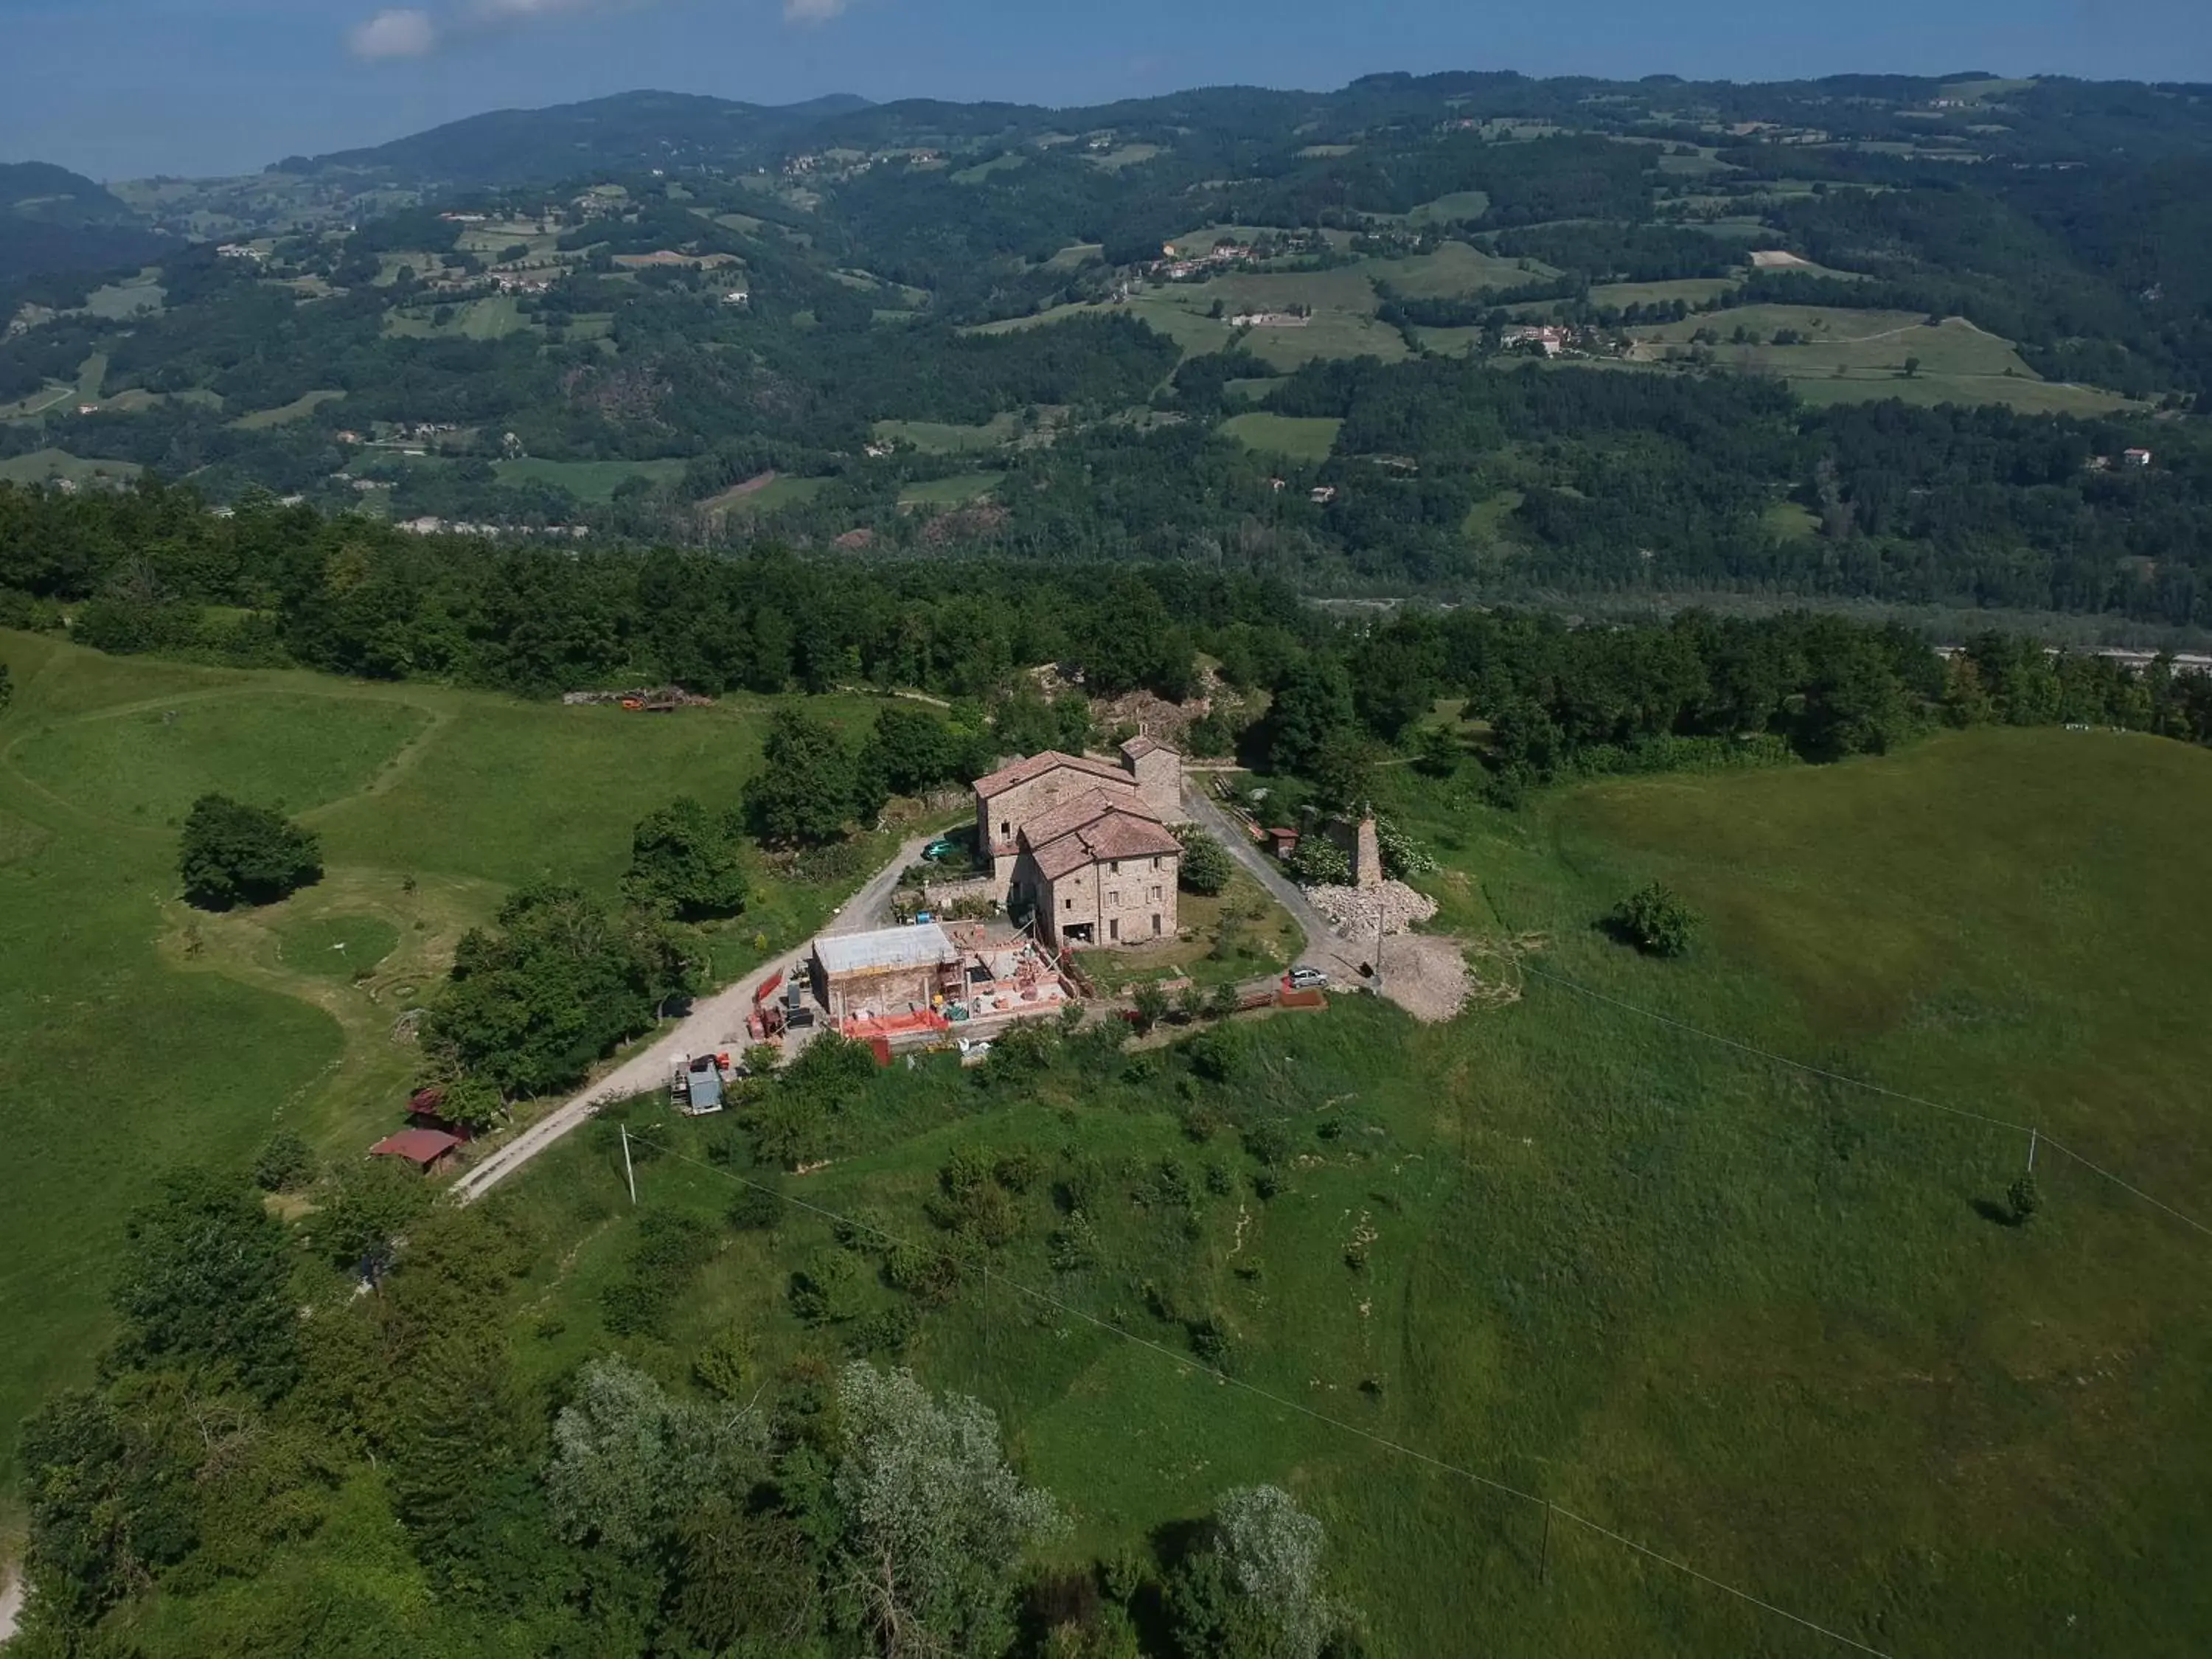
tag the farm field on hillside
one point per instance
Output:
(1756, 1320)
(1301, 438)
(196, 1035)
(298, 410)
(1853, 355)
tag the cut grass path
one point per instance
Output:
(137, 1034)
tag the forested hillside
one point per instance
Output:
(1919, 342)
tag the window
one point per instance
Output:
(1114, 900)
(1156, 925)
(1005, 829)
(1155, 895)
(1115, 868)
(1156, 864)
(1068, 904)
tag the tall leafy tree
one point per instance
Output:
(806, 790)
(935, 1523)
(204, 1283)
(687, 861)
(229, 853)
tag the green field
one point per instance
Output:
(142, 296)
(298, 410)
(1691, 290)
(957, 491)
(1754, 1318)
(135, 1034)
(489, 318)
(942, 438)
(1853, 355)
(41, 464)
(1453, 270)
(587, 481)
(765, 498)
(1466, 205)
(1301, 438)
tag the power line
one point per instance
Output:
(1489, 1483)
(1849, 1081)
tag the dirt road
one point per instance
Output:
(715, 1024)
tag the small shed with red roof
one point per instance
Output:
(427, 1150)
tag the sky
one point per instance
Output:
(126, 88)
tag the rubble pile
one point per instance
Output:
(1353, 911)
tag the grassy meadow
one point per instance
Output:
(136, 1034)
(1302, 438)
(1754, 1319)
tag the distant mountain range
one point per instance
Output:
(51, 219)
(625, 132)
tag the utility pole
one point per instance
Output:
(629, 1173)
(2033, 1135)
(1544, 1565)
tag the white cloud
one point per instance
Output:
(402, 32)
(412, 31)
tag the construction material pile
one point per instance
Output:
(1354, 911)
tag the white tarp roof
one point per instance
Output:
(922, 946)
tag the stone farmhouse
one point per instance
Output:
(1083, 846)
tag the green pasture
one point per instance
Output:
(140, 297)
(1690, 290)
(957, 490)
(136, 1034)
(587, 481)
(41, 465)
(777, 492)
(1749, 1318)
(1460, 206)
(298, 410)
(1852, 356)
(946, 438)
(1453, 270)
(1301, 438)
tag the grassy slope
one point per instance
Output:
(135, 1034)
(1751, 1319)
(1301, 438)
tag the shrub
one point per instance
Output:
(1206, 866)
(827, 1290)
(1655, 921)
(1152, 1007)
(1319, 861)
(229, 853)
(720, 1366)
(2026, 1199)
(1074, 1245)
(756, 1210)
(285, 1164)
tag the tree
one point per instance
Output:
(205, 1282)
(2026, 1199)
(805, 792)
(935, 1523)
(629, 1462)
(1436, 751)
(7, 689)
(1152, 1005)
(1207, 866)
(230, 853)
(686, 860)
(1912, 368)
(1655, 920)
(1272, 1553)
(531, 1006)
(1313, 703)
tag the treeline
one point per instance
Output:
(138, 571)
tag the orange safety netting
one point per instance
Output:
(915, 1023)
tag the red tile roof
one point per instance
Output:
(417, 1145)
(1080, 810)
(1112, 833)
(1036, 766)
(1140, 746)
